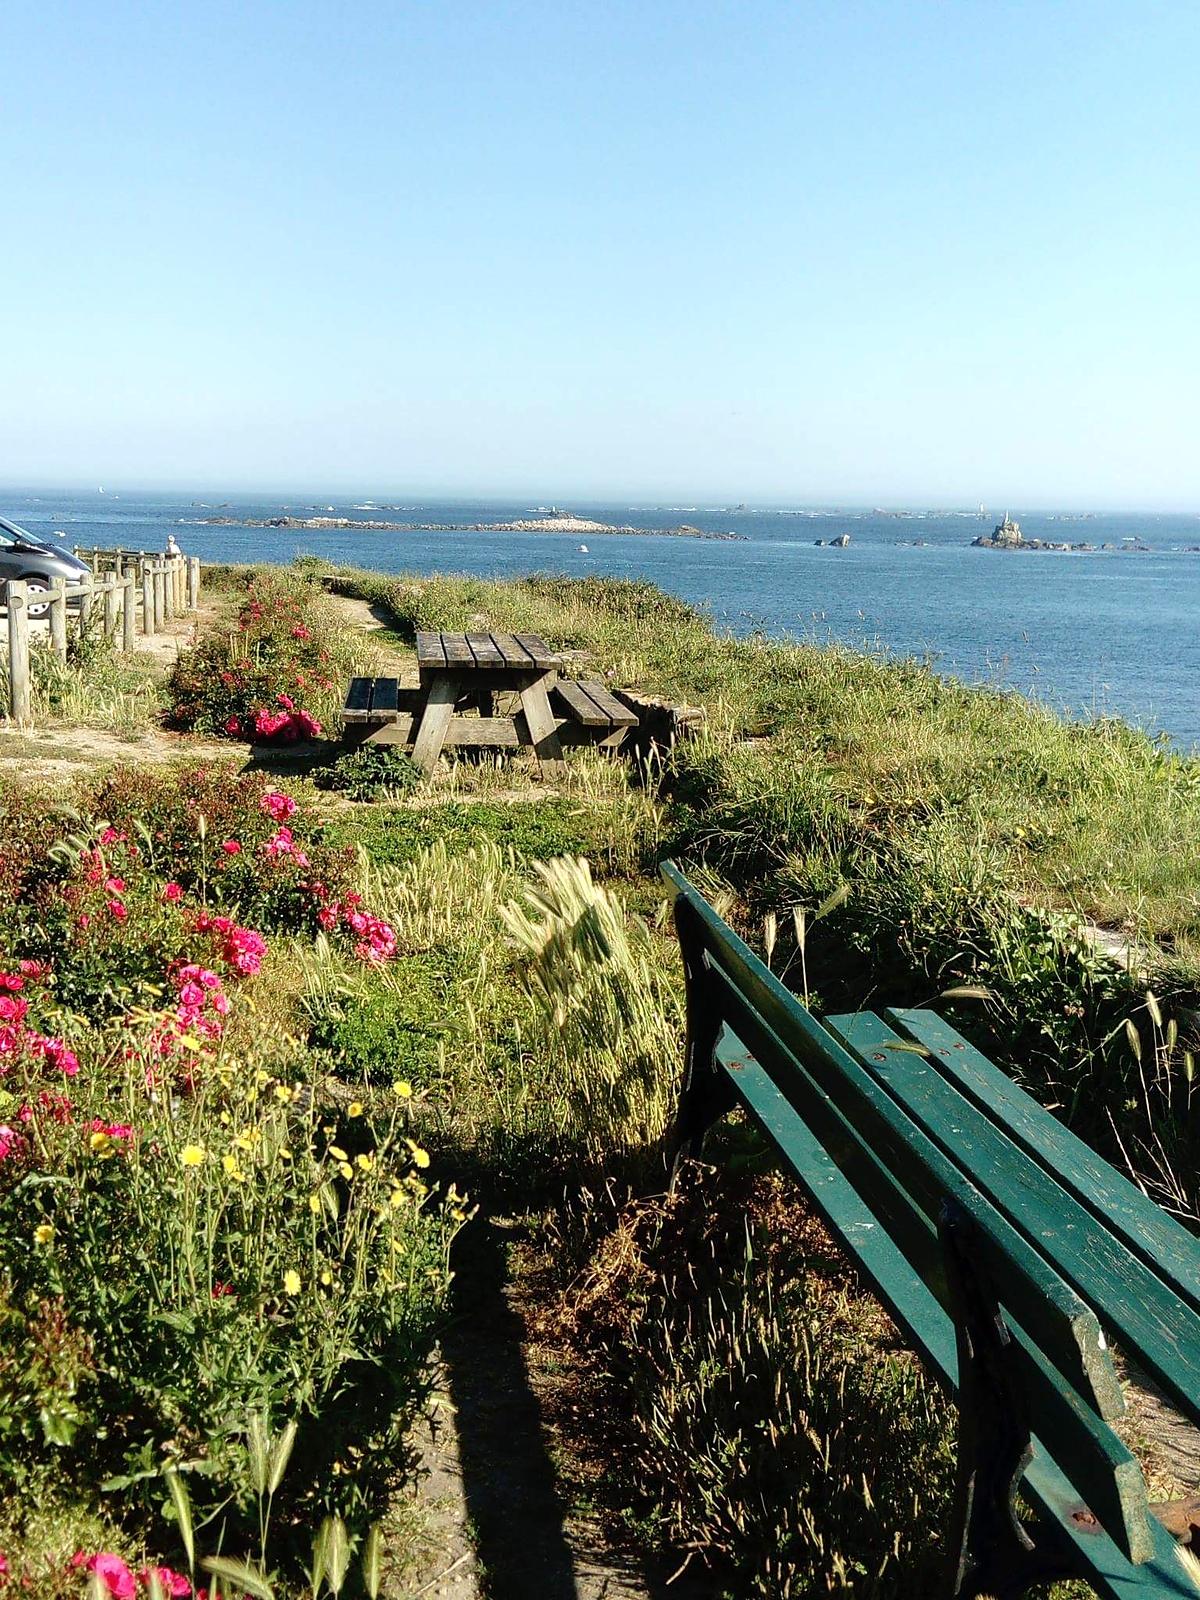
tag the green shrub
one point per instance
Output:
(372, 772)
(394, 1027)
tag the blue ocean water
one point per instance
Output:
(1111, 632)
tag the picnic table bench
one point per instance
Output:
(491, 690)
(1007, 1252)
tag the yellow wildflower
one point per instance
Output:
(193, 1155)
(99, 1141)
(338, 1153)
(346, 1170)
(397, 1197)
(314, 1203)
(403, 1089)
(420, 1157)
(229, 1162)
(327, 1277)
(291, 1281)
(261, 1077)
(43, 1233)
(355, 1108)
(283, 1093)
(364, 1161)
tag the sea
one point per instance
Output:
(1106, 632)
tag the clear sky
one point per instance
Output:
(891, 251)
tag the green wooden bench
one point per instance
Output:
(1007, 1252)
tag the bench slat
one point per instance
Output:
(1162, 1242)
(1105, 1475)
(593, 706)
(385, 698)
(1144, 1313)
(847, 1216)
(619, 716)
(1055, 1500)
(905, 1178)
(579, 704)
(358, 700)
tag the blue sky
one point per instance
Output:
(866, 252)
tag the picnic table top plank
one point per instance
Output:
(483, 651)
(539, 651)
(456, 650)
(515, 655)
(430, 650)
(386, 698)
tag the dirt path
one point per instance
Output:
(495, 1504)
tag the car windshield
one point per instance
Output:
(10, 534)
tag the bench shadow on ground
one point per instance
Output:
(510, 1485)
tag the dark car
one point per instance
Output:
(37, 561)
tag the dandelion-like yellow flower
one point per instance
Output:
(396, 1198)
(291, 1281)
(99, 1141)
(314, 1203)
(283, 1093)
(346, 1170)
(193, 1155)
(229, 1162)
(338, 1154)
(43, 1233)
(364, 1162)
(355, 1108)
(403, 1089)
(420, 1157)
(327, 1277)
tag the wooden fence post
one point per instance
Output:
(128, 610)
(18, 651)
(58, 617)
(147, 577)
(168, 585)
(85, 602)
(110, 605)
(160, 586)
(193, 582)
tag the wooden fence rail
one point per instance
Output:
(121, 583)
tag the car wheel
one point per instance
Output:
(37, 585)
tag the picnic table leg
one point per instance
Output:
(435, 720)
(543, 733)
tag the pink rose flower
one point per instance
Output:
(117, 1578)
(231, 847)
(172, 892)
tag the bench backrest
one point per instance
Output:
(887, 1124)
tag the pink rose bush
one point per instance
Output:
(270, 682)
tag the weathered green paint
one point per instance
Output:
(1149, 1319)
(880, 1136)
(1146, 1228)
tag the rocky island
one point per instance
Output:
(558, 522)
(1007, 535)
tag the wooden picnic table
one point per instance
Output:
(489, 690)
(463, 671)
